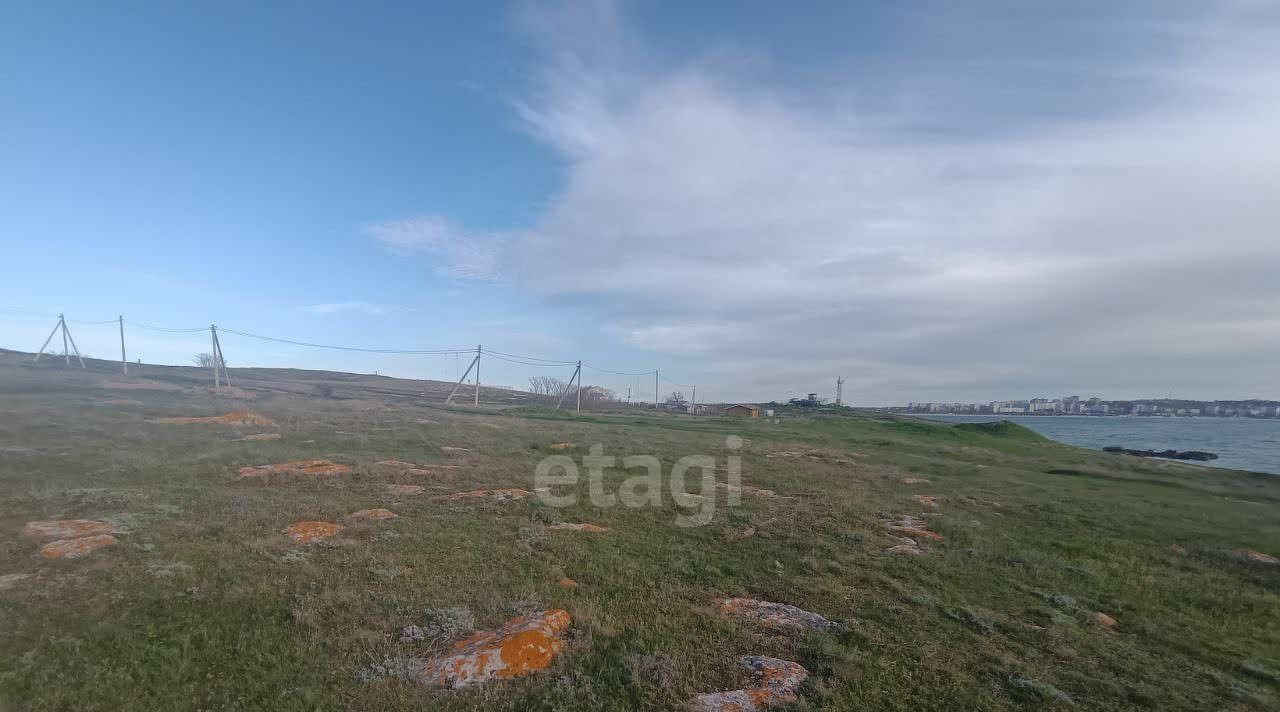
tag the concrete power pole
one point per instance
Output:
(475, 363)
(66, 336)
(655, 389)
(839, 391)
(477, 375)
(124, 363)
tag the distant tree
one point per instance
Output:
(675, 397)
(548, 386)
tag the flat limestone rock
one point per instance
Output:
(594, 528)
(1260, 558)
(522, 646)
(76, 548)
(312, 467)
(405, 490)
(448, 450)
(562, 446)
(778, 682)
(311, 532)
(502, 495)
(378, 514)
(67, 528)
(8, 581)
(906, 525)
(927, 500)
(914, 481)
(259, 436)
(777, 616)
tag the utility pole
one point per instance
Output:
(839, 391)
(693, 399)
(66, 336)
(477, 375)
(213, 355)
(461, 379)
(655, 389)
(628, 395)
(124, 363)
(577, 375)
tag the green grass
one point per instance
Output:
(206, 605)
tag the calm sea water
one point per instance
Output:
(1240, 443)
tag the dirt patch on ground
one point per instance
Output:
(67, 528)
(774, 616)
(405, 490)
(377, 514)
(778, 682)
(522, 646)
(239, 417)
(8, 581)
(259, 436)
(311, 467)
(76, 548)
(565, 582)
(501, 495)
(312, 532)
(568, 526)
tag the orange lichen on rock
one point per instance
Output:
(927, 500)
(376, 513)
(67, 528)
(312, 532)
(76, 548)
(778, 682)
(778, 616)
(522, 646)
(909, 526)
(1258, 557)
(239, 417)
(595, 528)
(311, 467)
(501, 495)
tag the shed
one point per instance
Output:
(747, 411)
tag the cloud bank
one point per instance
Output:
(781, 234)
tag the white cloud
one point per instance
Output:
(784, 238)
(459, 254)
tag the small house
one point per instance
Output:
(746, 411)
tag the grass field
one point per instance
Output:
(205, 604)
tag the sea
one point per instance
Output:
(1240, 443)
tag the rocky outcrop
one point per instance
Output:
(312, 532)
(311, 467)
(1166, 454)
(776, 616)
(778, 682)
(377, 514)
(76, 548)
(522, 646)
(67, 528)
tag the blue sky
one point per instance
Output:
(937, 202)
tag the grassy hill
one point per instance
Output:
(204, 602)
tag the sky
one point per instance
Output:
(937, 201)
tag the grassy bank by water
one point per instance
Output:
(204, 603)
